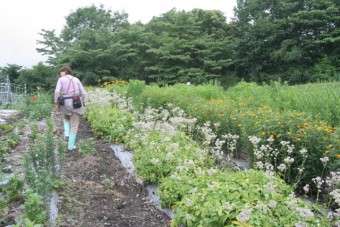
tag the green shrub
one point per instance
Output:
(109, 123)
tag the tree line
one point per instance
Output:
(290, 40)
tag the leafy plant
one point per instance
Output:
(27, 223)
(86, 147)
(34, 209)
(6, 127)
(14, 188)
(107, 182)
(109, 123)
(41, 161)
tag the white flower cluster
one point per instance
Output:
(270, 186)
(207, 133)
(100, 97)
(336, 196)
(324, 160)
(244, 215)
(254, 140)
(229, 207)
(333, 215)
(305, 212)
(333, 180)
(288, 160)
(318, 182)
(306, 188)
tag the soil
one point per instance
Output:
(86, 198)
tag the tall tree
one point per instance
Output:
(12, 71)
(42, 76)
(286, 38)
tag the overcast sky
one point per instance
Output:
(22, 20)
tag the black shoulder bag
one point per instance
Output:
(61, 99)
(76, 98)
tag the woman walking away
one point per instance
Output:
(67, 90)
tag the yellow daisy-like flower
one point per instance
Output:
(263, 133)
(326, 151)
(338, 156)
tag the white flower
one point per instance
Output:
(228, 207)
(254, 140)
(285, 143)
(305, 212)
(306, 188)
(259, 165)
(300, 169)
(189, 202)
(270, 186)
(281, 167)
(300, 224)
(211, 171)
(272, 204)
(193, 191)
(262, 206)
(324, 160)
(244, 215)
(155, 161)
(303, 151)
(336, 195)
(288, 160)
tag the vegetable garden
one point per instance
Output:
(185, 139)
(181, 135)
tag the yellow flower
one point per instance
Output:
(278, 136)
(298, 139)
(263, 133)
(239, 125)
(326, 151)
(338, 156)
(330, 145)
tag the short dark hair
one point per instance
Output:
(66, 69)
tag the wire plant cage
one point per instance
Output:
(10, 93)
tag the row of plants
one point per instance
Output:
(240, 116)
(317, 100)
(171, 150)
(27, 193)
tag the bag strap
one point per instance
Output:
(68, 88)
(74, 90)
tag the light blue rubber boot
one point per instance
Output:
(71, 141)
(67, 126)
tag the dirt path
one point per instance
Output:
(86, 200)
